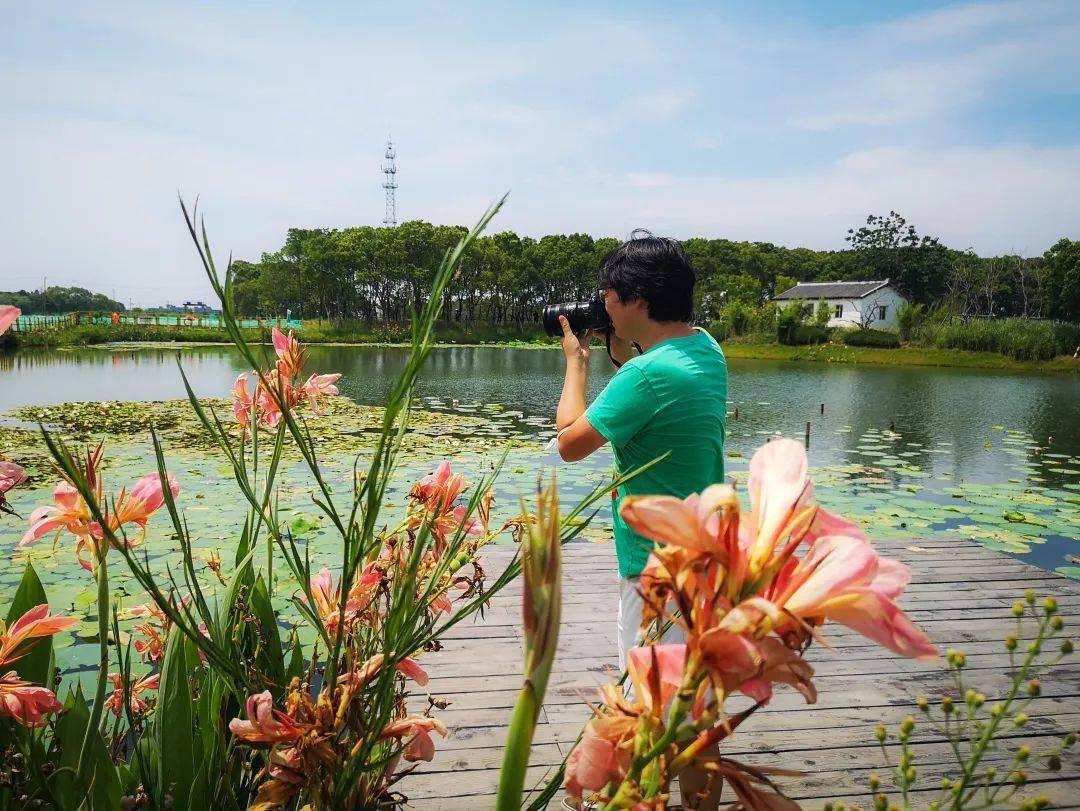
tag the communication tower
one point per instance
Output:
(390, 184)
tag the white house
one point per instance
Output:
(852, 304)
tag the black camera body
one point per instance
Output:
(581, 315)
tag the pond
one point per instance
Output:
(910, 452)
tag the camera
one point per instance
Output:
(581, 315)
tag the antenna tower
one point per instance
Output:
(390, 184)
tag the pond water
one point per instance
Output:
(911, 452)
(920, 450)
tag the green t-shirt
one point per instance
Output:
(671, 398)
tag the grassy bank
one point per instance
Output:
(905, 356)
(314, 332)
(748, 347)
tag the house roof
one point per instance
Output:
(816, 290)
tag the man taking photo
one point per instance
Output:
(671, 398)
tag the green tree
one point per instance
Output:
(1061, 284)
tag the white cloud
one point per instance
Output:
(999, 199)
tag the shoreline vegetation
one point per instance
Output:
(745, 347)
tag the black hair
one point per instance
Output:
(655, 270)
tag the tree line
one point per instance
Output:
(54, 300)
(381, 273)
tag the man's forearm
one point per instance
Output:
(572, 400)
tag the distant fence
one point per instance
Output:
(36, 323)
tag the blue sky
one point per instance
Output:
(786, 122)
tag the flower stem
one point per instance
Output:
(103, 666)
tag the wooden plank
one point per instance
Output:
(961, 594)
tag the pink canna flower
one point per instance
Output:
(37, 623)
(418, 729)
(11, 476)
(368, 669)
(603, 754)
(115, 702)
(145, 498)
(242, 402)
(266, 724)
(692, 523)
(25, 702)
(290, 354)
(439, 490)
(318, 387)
(843, 579)
(666, 664)
(327, 596)
(8, 314)
(779, 483)
(69, 511)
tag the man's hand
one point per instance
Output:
(575, 347)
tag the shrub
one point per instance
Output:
(908, 319)
(1019, 338)
(871, 337)
(802, 334)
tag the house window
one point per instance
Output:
(881, 312)
(838, 311)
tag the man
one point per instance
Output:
(671, 398)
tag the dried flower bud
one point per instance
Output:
(1018, 609)
(1050, 605)
(1034, 688)
(991, 772)
(881, 802)
(924, 705)
(1057, 623)
(1066, 646)
(879, 733)
(1010, 642)
(1053, 763)
(1020, 777)
(1020, 719)
(1069, 740)
(875, 782)
(911, 773)
(969, 697)
(947, 705)
(1029, 595)
(959, 660)
(980, 699)
(907, 724)
(1023, 753)
(997, 710)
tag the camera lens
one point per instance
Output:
(581, 315)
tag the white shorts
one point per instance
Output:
(629, 621)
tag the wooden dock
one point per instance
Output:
(961, 594)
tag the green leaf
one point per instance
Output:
(105, 780)
(269, 657)
(297, 663)
(35, 666)
(173, 720)
(302, 525)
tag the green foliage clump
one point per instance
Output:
(908, 320)
(1019, 338)
(871, 337)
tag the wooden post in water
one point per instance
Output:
(808, 435)
(823, 408)
(736, 412)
